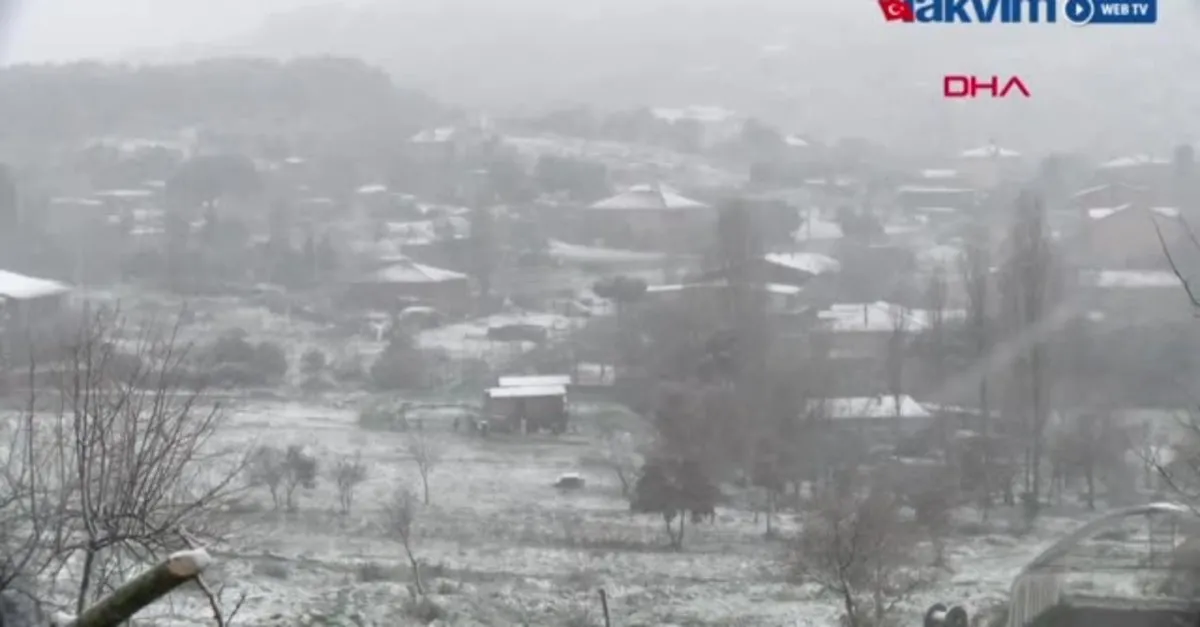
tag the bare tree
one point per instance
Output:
(299, 471)
(934, 333)
(426, 455)
(266, 468)
(975, 269)
(621, 456)
(222, 613)
(1031, 287)
(896, 359)
(857, 548)
(32, 508)
(122, 454)
(348, 473)
(400, 516)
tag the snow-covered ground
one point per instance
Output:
(501, 546)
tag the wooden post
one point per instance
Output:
(604, 607)
(143, 590)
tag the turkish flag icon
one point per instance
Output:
(896, 11)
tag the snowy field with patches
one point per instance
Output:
(500, 546)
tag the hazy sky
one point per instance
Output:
(52, 30)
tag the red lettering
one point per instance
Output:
(990, 86)
(1015, 81)
(959, 86)
(956, 87)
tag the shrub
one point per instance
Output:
(235, 362)
(401, 366)
(313, 363)
(384, 417)
(423, 609)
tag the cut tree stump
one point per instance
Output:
(137, 594)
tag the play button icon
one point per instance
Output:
(1080, 12)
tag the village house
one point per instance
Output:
(404, 282)
(716, 124)
(1142, 169)
(780, 298)
(931, 199)
(449, 144)
(655, 217)
(1127, 237)
(795, 269)
(885, 414)
(817, 233)
(1109, 195)
(1125, 298)
(28, 302)
(986, 166)
(855, 340)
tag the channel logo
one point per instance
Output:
(1084, 12)
(1075, 12)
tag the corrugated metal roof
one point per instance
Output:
(20, 287)
(649, 198)
(529, 391)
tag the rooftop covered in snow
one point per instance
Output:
(989, 151)
(409, 271)
(1100, 213)
(881, 316)
(15, 286)
(1132, 279)
(527, 391)
(537, 380)
(656, 197)
(1133, 161)
(435, 135)
(815, 264)
(870, 407)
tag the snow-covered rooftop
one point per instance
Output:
(1132, 279)
(771, 288)
(1106, 186)
(15, 286)
(597, 255)
(990, 151)
(880, 316)
(76, 202)
(434, 135)
(124, 193)
(656, 197)
(698, 113)
(796, 141)
(1100, 213)
(373, 189)
(1133, 161)
(813, 263)
(871, 407)
(408, 271)
(926, 189)
(529, 391)
(813, 227)
(539, 380)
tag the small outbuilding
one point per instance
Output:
(528, 408)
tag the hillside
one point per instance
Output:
(48, 103)
(833, 68)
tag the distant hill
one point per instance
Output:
(832, 68)
(74, 101)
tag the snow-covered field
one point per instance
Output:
(502, 547)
